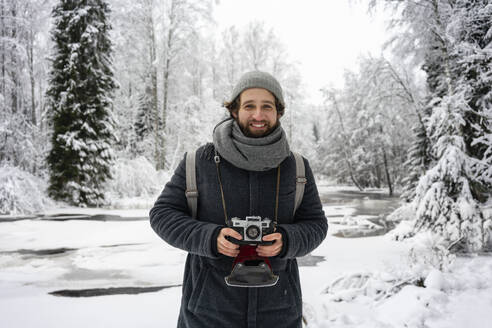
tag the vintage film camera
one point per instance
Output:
(252, 228)
(249, 269)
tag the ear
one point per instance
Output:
(234, 113)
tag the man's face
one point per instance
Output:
(257, 115)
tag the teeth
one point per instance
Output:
(258, 125)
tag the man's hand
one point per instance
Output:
(271, 250)
(226, 247)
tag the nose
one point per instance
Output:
(258, 114)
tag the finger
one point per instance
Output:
(269, 254)
(232, 233)
(229, 253)
(267, 248)
(268, 251)
(227, 244)
(272, 236)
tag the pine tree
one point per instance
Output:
(417, 162)
(472, 32)
(444, 201)
(447, 195)
(80, 91)
(144, 124)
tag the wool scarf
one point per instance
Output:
(252, 154)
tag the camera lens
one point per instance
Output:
(252, 232)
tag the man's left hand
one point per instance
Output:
(271, 250)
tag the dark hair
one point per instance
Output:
(233, 106)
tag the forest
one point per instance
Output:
(100, 100)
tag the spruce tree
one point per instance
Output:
(448, 195)
(452, 39)
(80, 102)
(472, 31)
(418, 161)
(145, 121)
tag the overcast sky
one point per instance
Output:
(324, 36)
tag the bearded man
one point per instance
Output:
(248, 171)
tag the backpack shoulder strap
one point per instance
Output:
(300, 180)
(191, 188)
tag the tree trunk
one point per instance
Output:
(2, 46)
(386, 169)
(30, 51)
(165, 79)
(345, 151)
(153, 86)
(13, 72)
(377, 169)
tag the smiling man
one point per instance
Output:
(258, 116)
(248, 171)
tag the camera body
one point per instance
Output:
(252, 228)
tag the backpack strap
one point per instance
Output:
(300, 180)
(191, 188)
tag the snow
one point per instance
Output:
(435, 280)
(21, 192)
(361, 282)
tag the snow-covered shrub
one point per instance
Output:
(135, 178)
(21, 192)
(402, 231)
(430, 252)
(402, 213)
(404, 219)
(372, 285)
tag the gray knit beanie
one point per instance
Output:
(257, 79)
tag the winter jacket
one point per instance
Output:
(206, 299)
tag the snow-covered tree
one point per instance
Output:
(452, 40)
(80, 92)
(444, 201)
(23, 31)
(418, 160)
(367, 134)
(470, 29)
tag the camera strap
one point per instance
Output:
(227, 221)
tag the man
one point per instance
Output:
(243, 164)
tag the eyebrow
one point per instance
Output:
(252, 101)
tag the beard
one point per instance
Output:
(248, 132)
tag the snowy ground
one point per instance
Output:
(120, 250)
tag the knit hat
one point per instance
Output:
(257, 79)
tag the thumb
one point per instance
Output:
(233, 233)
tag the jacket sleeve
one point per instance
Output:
(310, 226)
(171, 220)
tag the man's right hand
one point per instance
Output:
(224, 246)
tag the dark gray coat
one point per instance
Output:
(207, 301)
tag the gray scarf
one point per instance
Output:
(252, 154)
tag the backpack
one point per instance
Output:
(192, 190)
